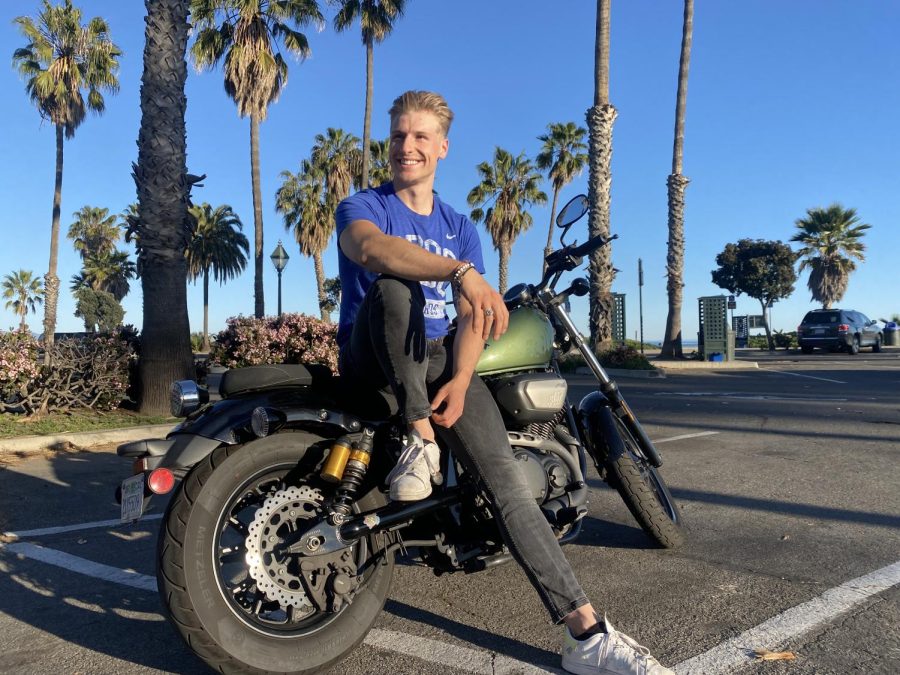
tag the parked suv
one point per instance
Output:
(838, 329)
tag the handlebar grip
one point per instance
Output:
(591, 244)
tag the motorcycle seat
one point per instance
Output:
(271, 376)
(348, 392)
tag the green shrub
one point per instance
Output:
(624, 357)
(290, 338)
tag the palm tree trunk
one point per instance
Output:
(163, 193)
(367, 120)
(205, 346)
(505, 249)
(600, 119)
(320, 286)
(676, 186)
(51, 281)
(548, 249)
(259, 308)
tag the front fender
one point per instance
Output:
(595, 422)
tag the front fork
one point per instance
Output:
(608, 388)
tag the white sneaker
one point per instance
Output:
(418, 466)
(611, 653)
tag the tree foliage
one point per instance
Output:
(831, 238)
(510, 185)
(758, 268)
(99, 310)
(23, 292)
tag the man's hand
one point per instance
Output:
(489, 313)
(450, 400)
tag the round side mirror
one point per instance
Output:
(572, 211)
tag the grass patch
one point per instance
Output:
(12, 425)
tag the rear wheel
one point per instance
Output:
(641, 486)
(240, 602)
(806, 350)
(854, 346)
(877, 346)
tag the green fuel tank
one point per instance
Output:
(527, 343)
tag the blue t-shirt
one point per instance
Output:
(444, 232)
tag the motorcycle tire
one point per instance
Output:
(213, 608)
(641, 486)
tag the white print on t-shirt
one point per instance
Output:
(433, 309)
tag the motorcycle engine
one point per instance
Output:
(543, 464)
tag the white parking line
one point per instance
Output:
(82, 566)
(775, 633)
(811, 377)
(44, 531)
(684, 436)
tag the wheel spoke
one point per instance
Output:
(232, 554)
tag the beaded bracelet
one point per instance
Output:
(456, 277)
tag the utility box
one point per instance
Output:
(618, 318)
(715, 337)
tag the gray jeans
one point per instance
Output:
(388, 348)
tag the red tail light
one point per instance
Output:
(161, 481)
(799, 330)
(843, 328)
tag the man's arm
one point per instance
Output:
(467, 348)
(366, 245)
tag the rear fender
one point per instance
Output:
(228, 422)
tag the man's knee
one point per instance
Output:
(396, 290)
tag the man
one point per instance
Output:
(399, 248)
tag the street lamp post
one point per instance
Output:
(279, 259)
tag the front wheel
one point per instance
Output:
(641, 486)
(239, 601)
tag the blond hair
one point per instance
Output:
(423, 101)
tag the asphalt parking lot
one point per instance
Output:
(787, 475)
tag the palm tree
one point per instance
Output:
(677, 183)
(62, 59)
(336, 155)
(563, 157)
(23, 293)
(94, 231)
(109, 271)
(217, 246)
(163, 190)
(511, 183)
(830, 238)
(301, 202)
(248, 38)
(600, 119)
(376, 20)
(380, 164)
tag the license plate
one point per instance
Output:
(133, 498)
(819, 331)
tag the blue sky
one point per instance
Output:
(791, 105)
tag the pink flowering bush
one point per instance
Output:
(86, 373)
(290, 338)
(18, 363)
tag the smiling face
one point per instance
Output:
(417, 143)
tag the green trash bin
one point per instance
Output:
(892, 335)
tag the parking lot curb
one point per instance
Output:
(27, 445)
(704, 365)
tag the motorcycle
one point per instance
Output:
(278, 544)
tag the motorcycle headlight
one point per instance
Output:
(185, 397)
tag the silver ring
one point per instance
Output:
(489, 312)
